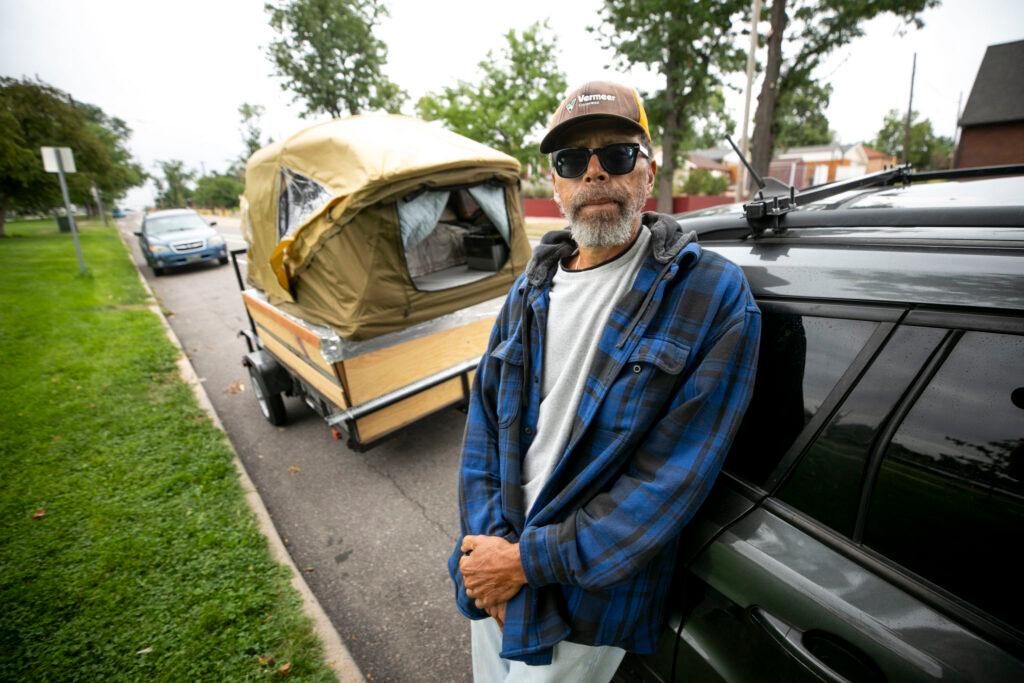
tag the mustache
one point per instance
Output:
(598, 196)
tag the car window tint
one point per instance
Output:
(948, 501)
(827, 483)
(800, 361)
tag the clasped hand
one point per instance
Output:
(492, 572)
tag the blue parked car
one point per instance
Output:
(118, 212)
(178, 237)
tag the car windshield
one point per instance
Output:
(166, 224)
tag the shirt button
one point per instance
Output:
(637, 369)
(536, 379)
(527, 431)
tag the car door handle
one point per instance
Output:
(846, 663)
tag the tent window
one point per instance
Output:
(454, 237)
(299, 198)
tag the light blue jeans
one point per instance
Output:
(572, 663)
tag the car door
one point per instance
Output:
(881, 544)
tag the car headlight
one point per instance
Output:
(215, 241)
(159, 249)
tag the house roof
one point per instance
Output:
(702, 161)
(873, 153)
(998, 92)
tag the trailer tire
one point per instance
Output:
(271, 404)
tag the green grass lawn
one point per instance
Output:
(126, 549)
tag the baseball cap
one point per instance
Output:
(596, 100)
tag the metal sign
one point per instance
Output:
(59, 160)
(53, 164)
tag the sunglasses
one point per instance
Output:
(617, 159)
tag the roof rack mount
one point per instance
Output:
(775, 199)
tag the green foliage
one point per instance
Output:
(33, 115)
(927, 150)
(126, 547)
(218, 191)
(329, 58)
(115, 172)
(800, 116)
(518, 90)
(815, 29)
(252, 133)
(173, 190)
(703, 181)
(692, 45)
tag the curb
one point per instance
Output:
(337, 655)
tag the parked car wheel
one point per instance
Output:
(159, 271)
(223, 260)
(271, 404)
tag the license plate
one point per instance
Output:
(193, 258)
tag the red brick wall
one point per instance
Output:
(535, 207)
(992, 145)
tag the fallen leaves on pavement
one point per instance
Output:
(235, 387)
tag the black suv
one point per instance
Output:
(868, 519)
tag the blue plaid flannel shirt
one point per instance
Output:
(665, 395)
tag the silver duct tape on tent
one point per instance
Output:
(335, 349)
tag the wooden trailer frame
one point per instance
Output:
(366, 391)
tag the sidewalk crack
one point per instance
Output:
(423, 509)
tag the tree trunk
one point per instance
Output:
(670, 127)
(763, 141)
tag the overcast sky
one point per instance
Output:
(177, 71)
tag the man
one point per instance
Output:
(615, 378)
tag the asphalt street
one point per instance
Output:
(371, 531)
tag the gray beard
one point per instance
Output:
(604, 230)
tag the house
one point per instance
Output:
(810, 165)
(992, 124)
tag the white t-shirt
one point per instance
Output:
(580, 303)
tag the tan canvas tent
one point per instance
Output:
(372, 224)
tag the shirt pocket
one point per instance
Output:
(509, 354)
(654, 355)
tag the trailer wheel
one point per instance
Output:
(271, 404)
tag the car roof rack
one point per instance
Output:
(774, 199)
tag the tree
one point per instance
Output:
(33, 115)
(800, 119)
(252, 133)
(926, 150)
(329, 58)
(218, 191)
(817, 28)
(518, 90)
(692, 46)
(173, 189)
(702, 181)
(118, 172)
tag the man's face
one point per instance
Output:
(603, 208)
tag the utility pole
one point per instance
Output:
(755, 18)
(99, 204)
(956, 130)
(910, 109)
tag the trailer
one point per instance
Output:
(380, 252)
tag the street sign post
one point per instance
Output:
(60, 160)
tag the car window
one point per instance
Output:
(826, 484)
(801, 360)
(948, 501)
(166, 224)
